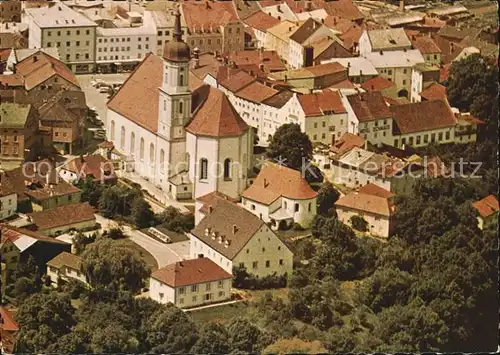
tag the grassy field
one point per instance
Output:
(145, 255)
(221, 314)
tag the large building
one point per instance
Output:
(188, 143)
(57, 25)
(233, 237)
(10, 11)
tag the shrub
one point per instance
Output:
(359, 223)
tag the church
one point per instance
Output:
(186, 143)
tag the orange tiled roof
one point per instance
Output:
(425, 44)
(487, 206)
(76, 213)
(367, 203)
(375, 190)
(422, 116)
(212, 199)
(214, 116)
(256, 92)
(369, 106)
(91, 165)
(276, 181)
(12, 80)
(39, 67)
(190, 272)
(344, 9)
(434, 92)
(8, 322)
(261, 21)
(238, 81)
(346, 143)
(208, 15)
(351, 36)
(269, 59)
(323, 103)
(377, 83)
(138, 98)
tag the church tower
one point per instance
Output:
(175, 97)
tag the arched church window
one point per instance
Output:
(203, 169)
(151, 153)
(132, 143)
(166, 77)
(122, 137)
(141, 148)
(112, 129)
(227, 169)
(162, 159)
(164, 105)
(180, 106)
(181, 80)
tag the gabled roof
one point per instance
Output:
(375, 190)
(261, 21)
(388, 38)
(190, 272)
(377, 83)
(238, 81)
(66, 259)
(368, 106)
(212, 199)
(487, 206)
(434, 91)
(346, 143)
(256, 92)
(305, 30)
(222, 220)
(366, 203)
(309, 72)
(208, 15)
(91, 165)
(75, 213)
(214, 115)
(345, 9)
(326, 102)
(275, 181)
(269, 59)
(138, 98)
(39, 67)
(425, 44)
(24, 238)
(14, 115)
(8, 322)
(422, 116)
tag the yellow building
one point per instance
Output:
(231, 237)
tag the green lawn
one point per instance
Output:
(220, 314)
(145, 255)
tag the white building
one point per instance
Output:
(372, 203)
(124, 45)
(178, 140)
(232, 237)
(190, 283)
(8, 198)
(65, 266)
(281, 196)
(163, 24)
(422, 76)
(392, 39)
(396, 66)
(69, 31)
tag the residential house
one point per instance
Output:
(423, 76)
(191, 283)
(346, 143)
(397, 66)
(57, 25)
(18, 55)
(18, 244)
(392, 39)
(18, 141)
(96, 167)
(13, 35)
(374, 120)
(467, 127)
(10, 11)
(205, 204)
(372, 203)
(233, 237)
(260, 22)
(266, 61)
(281, 197)
(78, 216)
(325, 47)
(162, 21)
(65, 267)
(278, 38)
(9, 328)
(213, 27)
(359, 69)
(429, 49)
(387, 88)
(8, 198)
(322, 116)
(421, 123)
(313, 78)
(433, 91)
(487, 209)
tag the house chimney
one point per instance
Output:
(35, 58)
(7, 25)
(286, 78)
(279, 8)
(207, 5)
(308, 6)
(210, 209)
(333, 139)
(220, 239)
(381, 52)
(452, 47)
(235, 228)
(401, 5)
(266, 184)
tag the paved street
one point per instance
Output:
(163, 253)
(92, 95)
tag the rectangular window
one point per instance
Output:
(418, 140)
(410, 141)
(220, 284)
(49, 44)
(281, 262)
(208, 286)
(182, 290)
(208, 297)
(194, 288)
(433, 137)
(221, 294)
(426, 138)
(255, 264)
(268, 263)
(447, 135)
(77, 32)
(440, 136)
(181, 300)
(241, 265)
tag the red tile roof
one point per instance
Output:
(138, 98)
(256, 92)
(487, 206)
(214, 115)
(324, 103)
(425, 44)
(375, 190)
(261, 21)
(344, 84)
(444, 72)
(39, 67)
(434, 92)
(344, 9)
(4, 54)
(369, 106)
(351, 36)
(208, 15)
(366, 203)
(13, 234)
(422, 116)
(238, 81)
(276, 181)
(269, 59)
(12, 80)
(212, 199)
(190, 272)
(76, 213)
(8, 322)
(346, 143)
(377, 83)
(95, 166)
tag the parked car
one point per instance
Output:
(104, 89)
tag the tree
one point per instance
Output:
(295, 346)
(44, 318)
(142, 215)
(112, 264)
(176, 221)
(111, 202)
(91, 191)
(213, 339)
(327, 196)
(80, 241)
(114, 233)
(291, 146)
(244, 337)
(113, 339)
(359, 223)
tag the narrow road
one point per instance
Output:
(163, 254)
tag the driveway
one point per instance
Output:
(163, 253)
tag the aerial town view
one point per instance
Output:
(248, 177)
